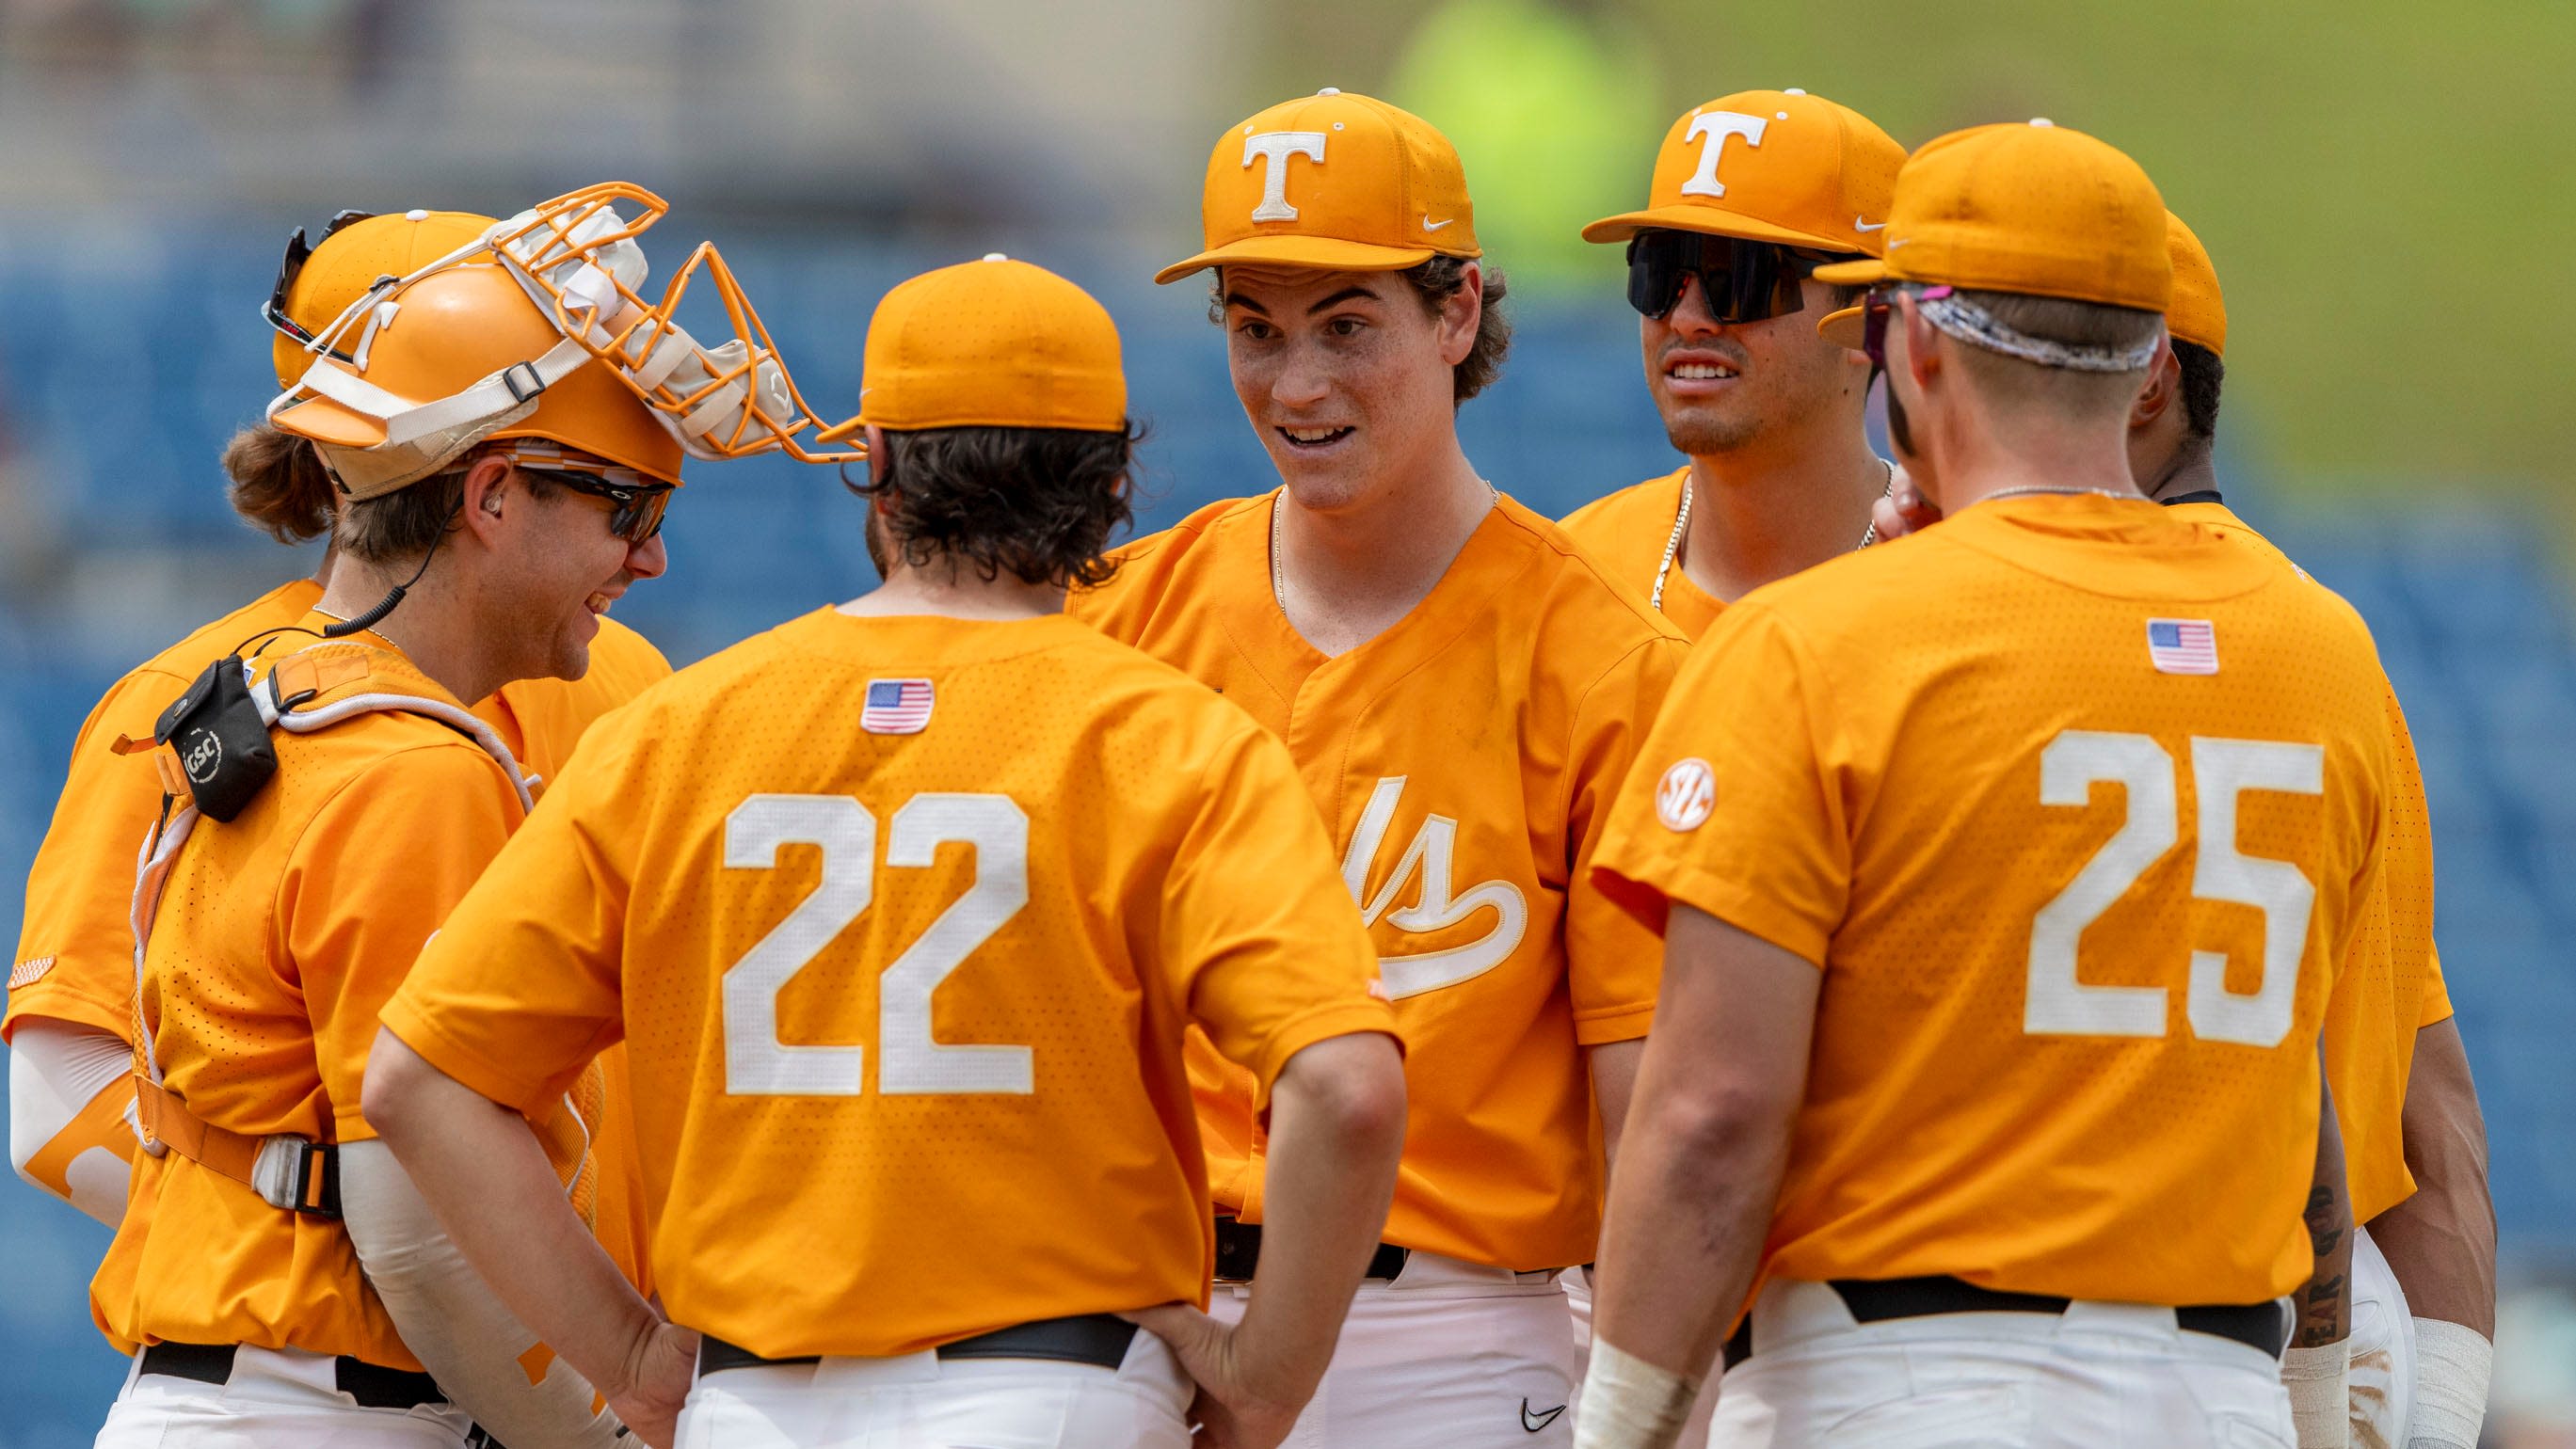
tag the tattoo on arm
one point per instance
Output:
(2324, 1231)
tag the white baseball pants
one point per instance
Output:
(921, 1401)
(2098, 1376)
(1450, 1355)
(275, 1399)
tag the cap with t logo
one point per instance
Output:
(1772, 166)
(1333, 181)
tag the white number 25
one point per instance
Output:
(2057, 1003)
(757, 1063)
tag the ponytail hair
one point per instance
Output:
(278, 484)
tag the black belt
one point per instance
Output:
(1238, 1253)
(1098, 1339)
(373, 1385)
(2257, 1325)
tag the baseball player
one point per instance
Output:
(1997, 951)
(2423, 1263)
(918, 1126)
(1751, 193)
(1462, 689)
(70, 1013)
(2403, 1093)
(496, 482)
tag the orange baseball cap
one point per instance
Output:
(350, 259)
(2034, 208)
(1774, 166)
(1334, 181)
(2197, 313)
(992, 344)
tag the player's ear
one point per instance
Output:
(2163, 388)
(487, 496)
(1922, 339)
(1461, 314)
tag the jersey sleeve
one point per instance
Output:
(521, 988)
(1257, 935)
(75, 958)
(1614, 967)
(366, 886)
(1737, 805)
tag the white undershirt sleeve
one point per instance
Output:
(450, 1319)
(56, 1070)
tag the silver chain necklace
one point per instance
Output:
(1681, 525)
(1278, 513)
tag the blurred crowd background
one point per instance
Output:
(2381, 185)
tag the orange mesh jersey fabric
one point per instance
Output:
(2078, 915)
(280, 934)
(2371, 1023)
(905, 1009)
(1464, 763)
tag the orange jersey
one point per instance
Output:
(906, 918)
(1464, 761)
(76, 948)
(2079, 809)
(278, 937)
(1631, 532)
(2394, 988)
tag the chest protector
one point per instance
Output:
(215, 748)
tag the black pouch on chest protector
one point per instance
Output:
(222, 744)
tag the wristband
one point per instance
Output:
(1628, 1403)
(2320, 1402)
(2452, 1366)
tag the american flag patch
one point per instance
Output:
(2182, 646)
(902, 706)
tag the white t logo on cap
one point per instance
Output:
(1720, 127)
(1272, 149)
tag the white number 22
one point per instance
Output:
(2057, 1003)
(757, 1063)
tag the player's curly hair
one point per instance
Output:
(278, 485)
(2203, 374)
(1038, 503)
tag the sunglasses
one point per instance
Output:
(291, 266)
(1876, 307)
(637, 512)
(1741, 281)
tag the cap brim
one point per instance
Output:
(1715, 221)
(1866, 273)
(325, 421)
(1846, 328)
(1321, 253)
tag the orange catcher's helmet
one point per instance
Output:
(546, 301)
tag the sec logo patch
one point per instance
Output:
(1686, 794)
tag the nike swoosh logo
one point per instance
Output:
(1536, 1422)
(1429, 225)
(1860, 225)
